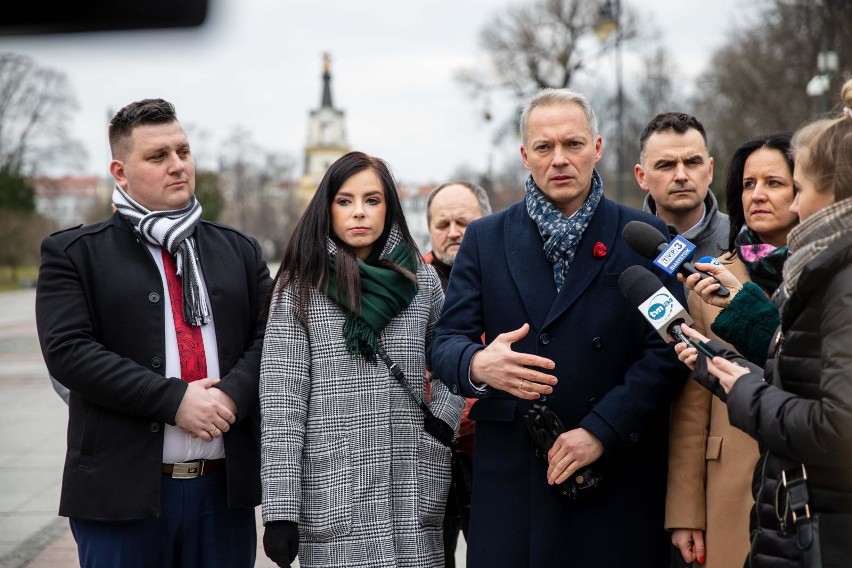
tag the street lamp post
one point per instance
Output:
(820, 84)
(609, 23)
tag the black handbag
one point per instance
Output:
(462, 480)
(544, 427)
(794, 481)
(433, 425)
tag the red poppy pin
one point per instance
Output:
(599, 250)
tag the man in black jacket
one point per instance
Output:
(152, 320)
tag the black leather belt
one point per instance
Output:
(193, 469)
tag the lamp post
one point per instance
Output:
(820, 84)
(609, 23)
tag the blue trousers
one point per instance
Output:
(195, 528)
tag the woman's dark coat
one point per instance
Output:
(803, 414)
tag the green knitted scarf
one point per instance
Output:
(384, 293)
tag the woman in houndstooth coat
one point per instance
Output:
(350, 476)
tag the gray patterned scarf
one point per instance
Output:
(561, 234)
(172, 230)
(811, 237)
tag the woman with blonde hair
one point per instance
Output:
(800, 408)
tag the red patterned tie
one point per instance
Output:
(193, 362)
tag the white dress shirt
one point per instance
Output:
(178, 445)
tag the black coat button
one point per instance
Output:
(154, 427)
(544, 338)
(156, 362)
(634, 437)
(454, 389)
(153, 297)
(596, 343)
(593, 402)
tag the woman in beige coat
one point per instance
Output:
(711, 462)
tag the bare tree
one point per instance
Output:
(651, 90)
(280, 209)
(656, 91)
(756, 83)
(35, 107)
(238, 164)
(257, 187)
(550, 43)
(538, 45)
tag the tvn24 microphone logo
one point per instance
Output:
(660, 306)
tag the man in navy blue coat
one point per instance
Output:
(540, 280)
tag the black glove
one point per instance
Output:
(281, 542)
(544, 427)
(703, 377)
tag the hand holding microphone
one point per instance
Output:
(687, 350)
(713, 275)
(669, 256)
(644, 290)
(660, 308)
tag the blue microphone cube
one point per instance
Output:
(677, 252)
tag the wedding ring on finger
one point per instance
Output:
(521, 385)
(212, 431)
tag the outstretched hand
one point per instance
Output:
(501, 368)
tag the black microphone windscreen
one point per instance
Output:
(643, 238)
(637, 284)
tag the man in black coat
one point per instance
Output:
(540, 281)
(152, 319)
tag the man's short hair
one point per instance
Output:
(139, 113)
(477, 190)
(680, 122)
(549, 96)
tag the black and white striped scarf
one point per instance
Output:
(172, 230)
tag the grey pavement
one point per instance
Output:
(32, 436)
(32, 450)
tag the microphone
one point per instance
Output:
(660, 308)
(668, 256)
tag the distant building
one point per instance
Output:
(413, 200)
(326, 140)
(72, 200)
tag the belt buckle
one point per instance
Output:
(187, 470)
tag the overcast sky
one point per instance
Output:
(257, 64)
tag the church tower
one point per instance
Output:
(326, 141)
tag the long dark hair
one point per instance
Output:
(779, 141)
(305, 260)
